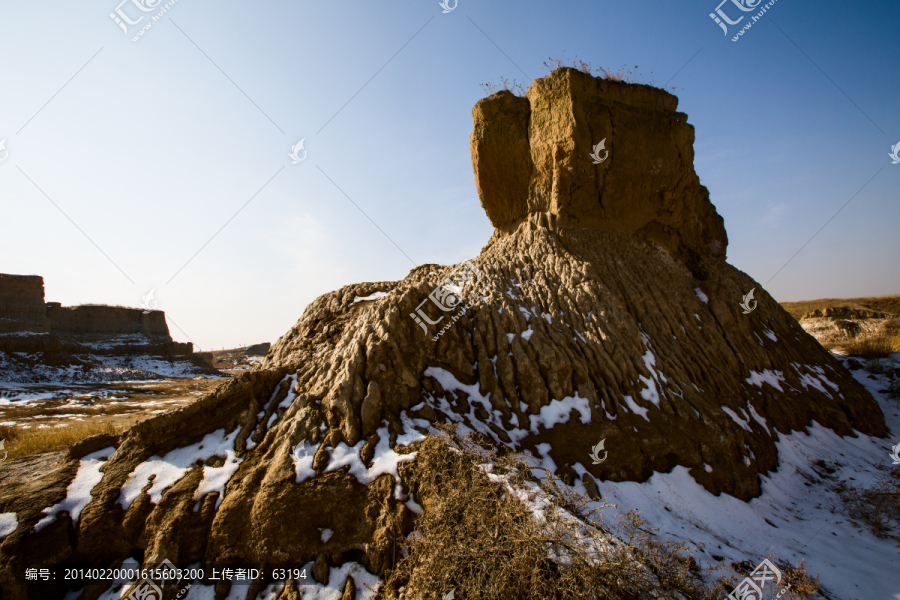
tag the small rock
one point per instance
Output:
(590, 486)
(349, 590)
(320, 570)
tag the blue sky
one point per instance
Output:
(152, 147)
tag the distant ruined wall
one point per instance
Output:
(22, 309)
(22, 303)
(106, 320)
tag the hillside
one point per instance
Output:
(885, 304)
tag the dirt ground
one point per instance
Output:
(121, 404)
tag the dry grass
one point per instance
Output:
(491, 88)
(27, 442)
(624, 73)
(491, 531)
(876, 506)
(878, 345)
(885, 304)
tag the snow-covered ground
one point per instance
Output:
(13, 371)
(98, 370)
(798, 513)
(159, 366)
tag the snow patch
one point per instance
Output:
(374, 296)
(632, 405)
(366, 583)
(8, 523)
(773, 378)
(756, 417)
(303, 460)
(78, 494)
(734, 417)
(173, 466)
(558, 412)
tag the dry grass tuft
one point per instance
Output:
(490, 530)
(27, 442)
(876, 506)
(491, 88)
(878, 345)
(623, 74)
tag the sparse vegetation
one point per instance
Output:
(27, 442)
(517, 88)
(877, 506)
(624, 73)
(492, 530)
(878, 345)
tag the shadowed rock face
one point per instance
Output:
(22, 303)
(593, 325)
(102, 320)
(532, 160)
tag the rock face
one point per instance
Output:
(532, 160)
(106, 320)
(837, 325)
(22, 303)
(257, 349)
(578, 322)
